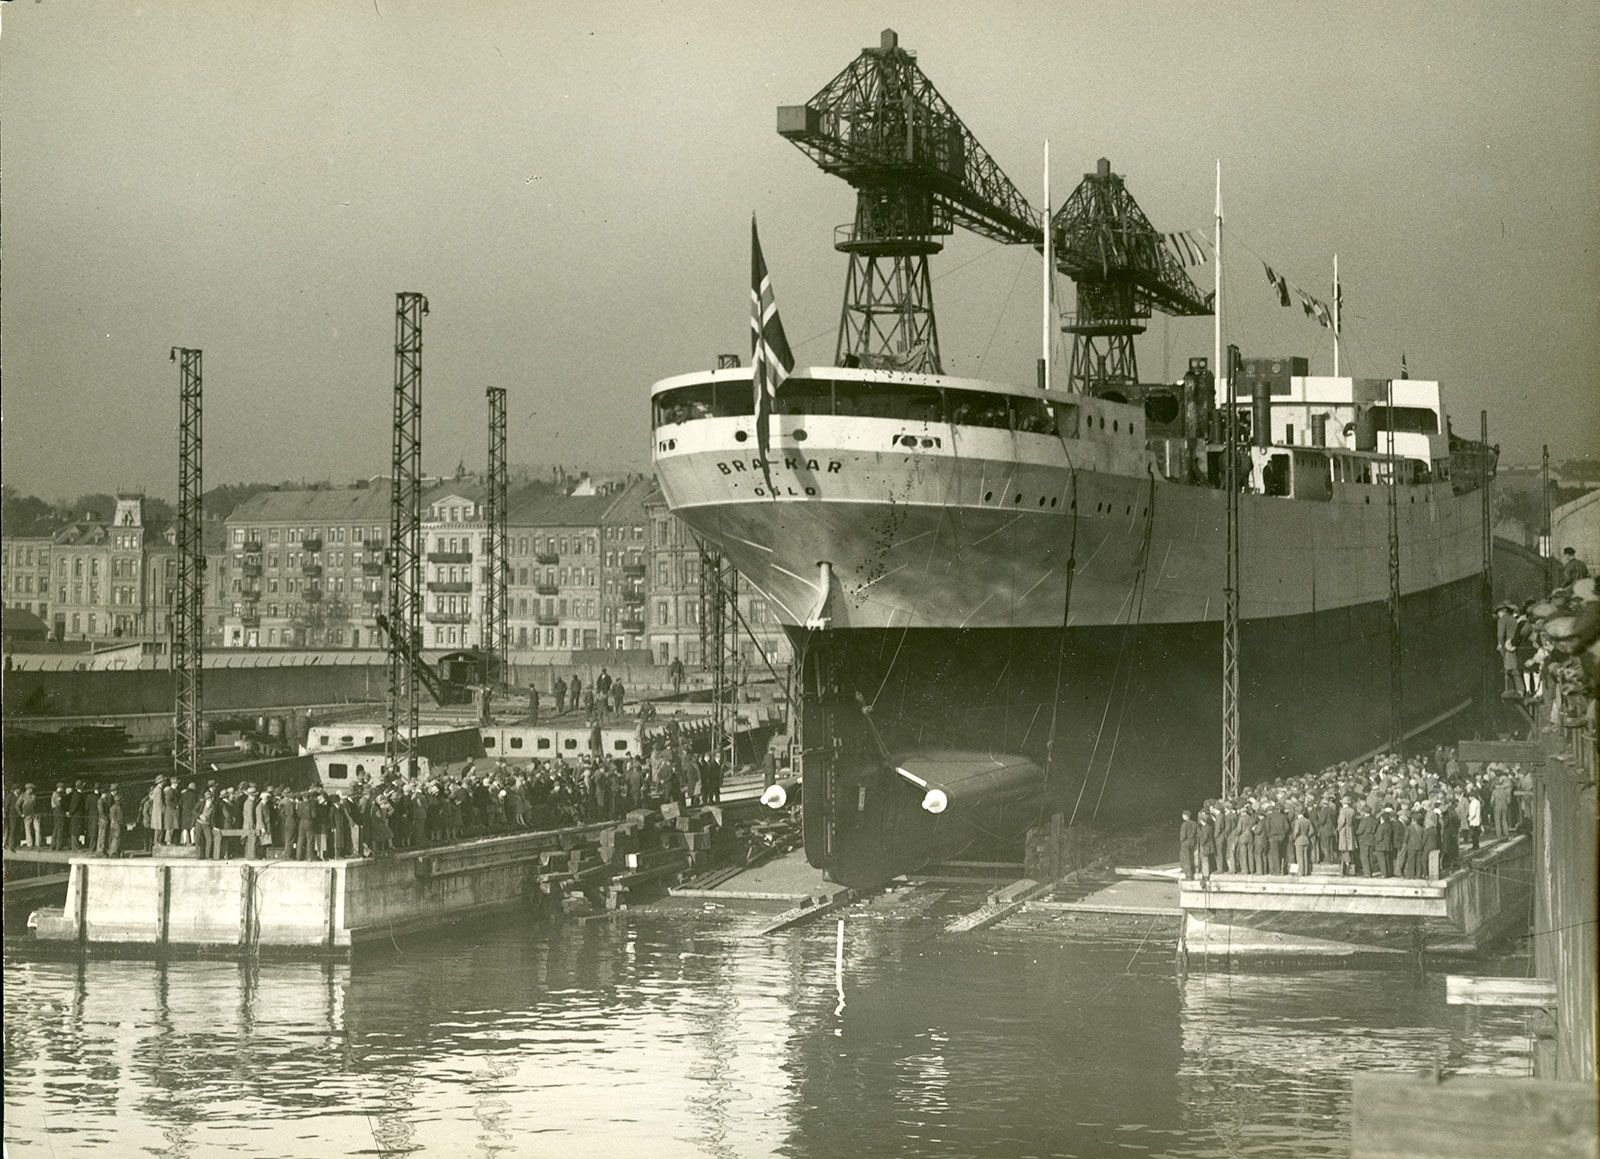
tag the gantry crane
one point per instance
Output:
(918, 173)
(1123, 271)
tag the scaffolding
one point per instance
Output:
(1397, 654)
(719, 646)
(405, 536)
(188, 602)
(496, 634)
(1230, 591)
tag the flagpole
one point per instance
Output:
(1047, 336)
(1336, 315)
(1216, 297)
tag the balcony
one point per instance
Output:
(312, 595)
(311, 543)
(631, 627)
(547, 558)
(372, 567)
(635, 570)
(250, 620)
(447, 617)
(251, 593)
(372, 596)
(633, 599)
(251, 569)
(449, 557)
(311, 569)
(546, 619)
(450, 587)
(252, 547)
(547, 589)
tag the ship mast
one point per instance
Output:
(1047, 335)
(1230, 480)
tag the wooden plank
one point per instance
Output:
(986, 915)
(1419, 1117)
(1460, 990)
(810, 909)
(733, 894)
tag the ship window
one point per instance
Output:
(542, 743)
(1032, 416)
(1407, 420)
(702, 400)
(908, 402)
(805, 396)
(338, 772)
(972, 408)
(516, 742)
(620, 745)
(488, 742)
(569, 743)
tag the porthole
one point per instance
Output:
(1018, 498)
(799, 435)
(988, 495)
(1041, 501)
(740, 436)
(1116, 425)
(1052, 500)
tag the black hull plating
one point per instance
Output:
(1125, 720)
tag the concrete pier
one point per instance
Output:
(1325, 914)
(180, 905)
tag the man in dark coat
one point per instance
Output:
(1389, 841)
(1367, 840)
(1325, 825)
(1188, 837)
(304, 826)
(1277, 837)
(560, 691)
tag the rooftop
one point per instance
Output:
(321, 504)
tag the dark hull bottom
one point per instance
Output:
(1126, 721)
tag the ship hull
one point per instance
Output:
(1125, 721)
(1058, 596)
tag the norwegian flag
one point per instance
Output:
(770, 357)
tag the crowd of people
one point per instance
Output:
(1392, 816)
(374, 818)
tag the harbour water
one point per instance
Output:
(672, 1032)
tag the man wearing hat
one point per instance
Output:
(28, 809)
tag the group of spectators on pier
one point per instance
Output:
(605, 695)
(374, 818)
(1391, 816)
(1550, 647)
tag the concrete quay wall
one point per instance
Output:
(158, 905)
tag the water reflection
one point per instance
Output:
(679, 1035)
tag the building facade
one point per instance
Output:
(675, 602)
(25, 573)
(304, 568)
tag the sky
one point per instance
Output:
(570, 185)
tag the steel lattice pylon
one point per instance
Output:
(1230, 611)
(719, 645)
(1396, 646)
(496, 634)
(888, 307)
(188, 604)
(405, 535)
